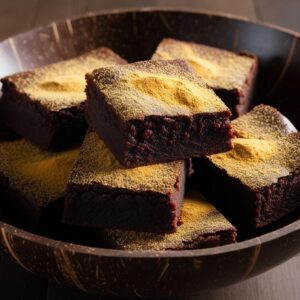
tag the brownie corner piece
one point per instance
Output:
(258, 182)
(231, 75)
(201, 226)
(46, 105)
(103, 194)
(156, 111)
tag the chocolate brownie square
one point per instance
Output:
(103, 194)
(156, 111)
(201, 226)
(231, 75)
(33, 180)
(257, 182)
(46, 105)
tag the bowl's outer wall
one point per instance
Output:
(116, 274)
(135, 35)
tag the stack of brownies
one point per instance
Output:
(147, 127)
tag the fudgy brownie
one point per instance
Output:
(32, 180)
(231, 75)
(102, 193)
(257, 182)
(201, 225)
(156, 111)
(46, 105)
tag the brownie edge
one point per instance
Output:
(201, 225)
(102, 194)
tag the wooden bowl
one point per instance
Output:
(134, 35)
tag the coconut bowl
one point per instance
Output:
(134, 34)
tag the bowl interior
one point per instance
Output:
(135, 35)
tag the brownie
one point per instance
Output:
(231, 75)
(156, 111)
(258, 182)
(102, 193)
(32, 180)
(46, 105)
(201, 225)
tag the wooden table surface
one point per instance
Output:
(16, 16)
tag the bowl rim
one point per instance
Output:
(105, 252)
(189, 10)
(136, 9)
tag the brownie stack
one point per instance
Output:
(145, 130)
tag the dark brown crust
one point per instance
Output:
(247, 93)
(156, 138)
(98, 207)
(162, 139)
(278, 200)
(99, 115)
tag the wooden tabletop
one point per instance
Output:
(16, 16)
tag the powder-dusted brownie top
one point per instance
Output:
(220, 69)
(61, 85)
(267, 148)
(155, 88)
(198, 218)
(39, 175)
(263, 122)
(97, 165)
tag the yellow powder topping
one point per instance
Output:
(39, 175)
(252, 150)
(253, 161)
(97, 165)
(218, 68)
(202, 66)
(267, 148)
(173, 91)
(61, 85)
(66, 84)
(156, 88)
(263, 122)
(198, 217)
